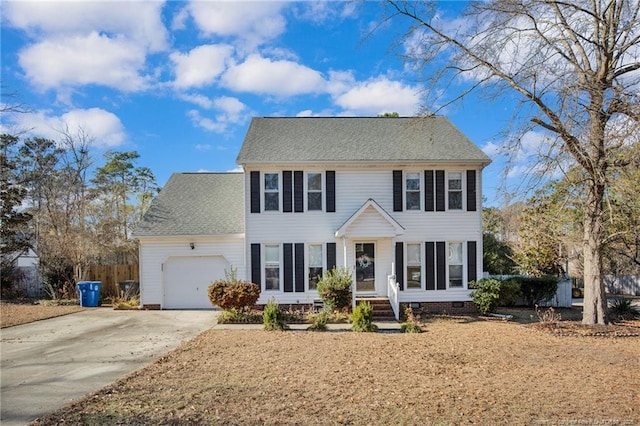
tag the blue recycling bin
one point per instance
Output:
(89, 293)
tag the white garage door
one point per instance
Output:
(187, 280)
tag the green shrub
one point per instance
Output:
(240, 317)
(486, 294)
(537, 289)
(233, 294)
(362, 318)
(623, 309)
(320, 321)
(509, 293)
(335, 289)
(410, 325)
(272, 317)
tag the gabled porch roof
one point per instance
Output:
(370, 220)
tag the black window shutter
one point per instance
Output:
(428, 191)
(471, 261)
(429, 250)
(330, 178)
(287, 203)
(256, 267)
(299, 267)
(441, 266)
(471, 190)
(400, 264)
(397, 190)
(440, 190)
(288, 267)
(331, 256)
(298, 195)
(254, 182)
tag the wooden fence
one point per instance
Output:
(111, 275)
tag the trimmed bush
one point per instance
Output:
(486, 294)
(231, 294)
(537, 289)
(362, 318)
(335, 289)
(272, 317)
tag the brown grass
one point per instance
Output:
(460, 371)
(21, 313)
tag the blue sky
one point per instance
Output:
(178, 81)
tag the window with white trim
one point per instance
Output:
(272, 267)
(271, 192)
(414, 266)
(315, 265)
(455, 265)
(455, 190)
(412, 191)
(314, 191)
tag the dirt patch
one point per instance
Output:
(459, 370)
(21, 313)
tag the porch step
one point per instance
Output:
(382, 310)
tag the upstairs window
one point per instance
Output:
(314, 191)
(455, 265)
(272, 267)
(271, 192)
(455, 190)
(414, 266)
(412, 191)
(315, 265)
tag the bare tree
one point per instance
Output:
(574, 65)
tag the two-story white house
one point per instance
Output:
(397, 201)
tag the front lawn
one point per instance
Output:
(459, 371)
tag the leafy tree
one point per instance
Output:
(116, 185)
(497, 255)
(574, 67)
(13, 217)
(55, 175)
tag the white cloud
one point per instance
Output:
(200, 100)
(491, 149)
(231, 108)
(380, 95)
(203, 147)
(230, 111)
(280, 78)
(140, 22)
(254, 22)
(201, 65)
(102, 127)
(81, 60)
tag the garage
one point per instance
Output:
(187, 280)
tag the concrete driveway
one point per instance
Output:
(47, 364)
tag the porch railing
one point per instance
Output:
(392, 290)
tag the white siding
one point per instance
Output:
(354, 187)
(155, 251)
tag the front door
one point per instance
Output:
(365, 267)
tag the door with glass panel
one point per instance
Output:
(365, 267)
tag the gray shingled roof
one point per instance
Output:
(196, 204)
(342, 139)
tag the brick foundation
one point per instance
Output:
(453, 308)
(152, 307)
